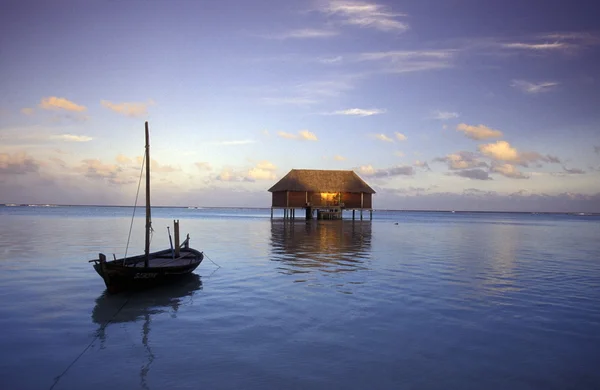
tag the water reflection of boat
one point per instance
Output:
(323, 246)
(111, 309)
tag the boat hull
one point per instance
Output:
(131, 274)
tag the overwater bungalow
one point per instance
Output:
(328, 193)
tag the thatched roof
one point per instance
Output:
(313, 180)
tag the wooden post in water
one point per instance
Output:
(176, 228)
(148, 211)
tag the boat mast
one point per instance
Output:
(148, 219)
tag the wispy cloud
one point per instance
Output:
(479, 132)
(359, 112)
(363, 14)
(72, 138)
(535, 46)
(131, 109)
(304, 33)
(445, 115)
(566, 42)
(597, 149)
(399, 153)
(403, 61)
(382, 137)
(337, 157)
(58, 103)
(529, 87)
(400, 136)
(27, 111)
(312, 92)
(302, 135)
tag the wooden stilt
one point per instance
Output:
(361, 218)
(371, 214)
(353, 214)
(271, 212)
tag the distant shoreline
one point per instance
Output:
(581, 213)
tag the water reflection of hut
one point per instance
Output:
(324, 191)
(327, 246)
(112, 309)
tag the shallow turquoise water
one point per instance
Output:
(438, 301)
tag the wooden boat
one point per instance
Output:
(149, 269)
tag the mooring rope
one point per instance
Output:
(58, 378)
(211, 260)
(134, 207)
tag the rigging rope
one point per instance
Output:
(134, 207)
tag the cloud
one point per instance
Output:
(400, 136)
(533, 88)
(57, 103)
(597, 149)
(573, 171)
(369, 171)
(462, 160)
(359, 112)
(261, 174)
(203, 166)
(500, 150)
(155, 166)
(302, 135)
(122, 159)
(503, 151)
(382, 137)
(337, 157)
(131, 109)
(566, 42)
(72, 138)
(96, 170)
(305, 33)
(266, 165)
(27, 111)
(310, 93)
(400, 61)
(18, 163)
(445, 115)
(307, 135)
(422, 164)
(263, 170)
(508, 170)
(364, 15)
(479, 132)
(399, 153)
(536, 46)
(330, 60)
(473, 174)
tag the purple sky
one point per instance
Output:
(442, 104)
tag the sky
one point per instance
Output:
(438, 105)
